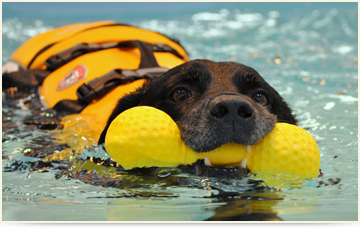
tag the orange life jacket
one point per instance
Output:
(86, 68)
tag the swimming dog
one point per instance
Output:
(213, 103)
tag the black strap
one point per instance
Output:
(98, 87)
(65, 107)
(24, 79)
(67, 37)
(147, 55)
(159, 47)
(63, 57)
(56, 61)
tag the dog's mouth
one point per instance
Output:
(204, 132)
(212, 144)
(207, 140)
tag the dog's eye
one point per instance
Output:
(260, 98)
(181, 95)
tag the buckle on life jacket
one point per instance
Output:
(61, 58)
(98, 87)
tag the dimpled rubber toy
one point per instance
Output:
(147, 137)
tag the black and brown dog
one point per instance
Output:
(213, 103)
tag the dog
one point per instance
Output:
(213, 103)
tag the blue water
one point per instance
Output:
(307, 51)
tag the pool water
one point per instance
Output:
(307, 51)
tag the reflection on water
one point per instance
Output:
(311, 61)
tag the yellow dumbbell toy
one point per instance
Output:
(147, 137)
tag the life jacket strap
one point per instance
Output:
(98, 87)
(24, 80)
(159, 47)
(56, 61)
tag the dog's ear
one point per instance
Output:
(127, 102)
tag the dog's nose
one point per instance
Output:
(231, 108)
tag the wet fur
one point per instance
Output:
(207, 81)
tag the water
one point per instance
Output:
(307, 51)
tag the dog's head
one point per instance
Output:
(213, 103)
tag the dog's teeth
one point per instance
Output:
(243, 163)
(207, 161)
(248, 148)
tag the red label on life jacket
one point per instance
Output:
(74, 76)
